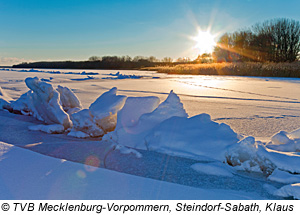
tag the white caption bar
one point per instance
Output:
(128, 207)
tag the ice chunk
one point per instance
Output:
(3, 103)
(284, 177)
(280, 138)
(73, 110)
(84, 126)
(133, 109)
(257, 154)
(78, 134)
(286, 161)
(172, 106)
(134, 136)
(245, 154)
(285, 142)
(104, 110)
(51, 129)
(244, 150)
(68, 99)
(118, 75)
(46, 101)
(294, 134)
(42, 101)
(3, 94)
(24, 105)
(292, 190)
(4, 98)
(192, 137)
(216, 168)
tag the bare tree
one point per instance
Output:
(94, 58)
(276, 40)
(167, 60)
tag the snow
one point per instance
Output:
(217, 168)
(104, 110)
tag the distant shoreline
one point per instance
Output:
(231, 69)
(105, 65)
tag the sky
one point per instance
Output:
(37, 30)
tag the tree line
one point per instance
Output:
(105, 62)
(276, 40)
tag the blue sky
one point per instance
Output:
(33, 30)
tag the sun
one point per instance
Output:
(205, 42)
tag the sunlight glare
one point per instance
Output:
(205, 42)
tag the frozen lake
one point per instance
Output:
(255, 106)
(191, 155)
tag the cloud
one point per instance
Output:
(9, 61)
